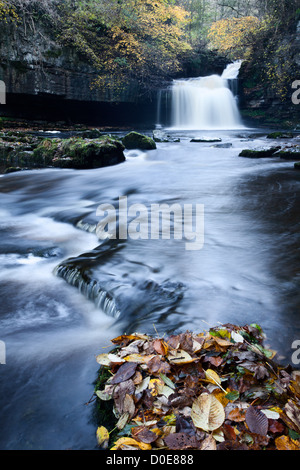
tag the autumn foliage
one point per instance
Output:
(218, 390)
(232, 36)
(137, 41)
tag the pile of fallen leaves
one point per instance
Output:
(217, 390)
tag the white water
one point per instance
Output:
(206, 102)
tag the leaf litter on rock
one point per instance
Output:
(216, 390)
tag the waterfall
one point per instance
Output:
(206, 102)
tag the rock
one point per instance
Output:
(12, 169)
(87, 154)
(207, 139)
(160, 136)
(280, 135)
(134, 140)
(222, 146)
(292, 153)
(297, 166)
(74, 153)
(259, 153)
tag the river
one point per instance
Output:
(246, 271)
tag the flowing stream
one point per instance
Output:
(65, 293)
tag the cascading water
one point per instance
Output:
(206, 102)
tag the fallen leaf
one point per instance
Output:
(181, 441)
(208, 444)
(156, 386)
(129, 441)
(237, 415)
(292, 411)
(143, 434)
(108, 359)
(102, 435)
(160, 347)
(207, 412)
(212, 377)
(256, 421)
(122, 421)
(286, 443)
(180, 357)
(124, 373)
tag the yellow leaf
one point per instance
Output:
(102, 435)
(212, 377)
(207, 412)
(156, 387)
(129, 441)
(180, 357)
(286, 443)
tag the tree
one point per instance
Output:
(136, 40)
(232, 36)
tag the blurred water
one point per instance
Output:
(247, 271)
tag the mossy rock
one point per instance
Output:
(259, 153)
(290, 153)
(134, 140)
(12, 169)
(297, 166)
(280, 135)
(45, 152)
(79, 153)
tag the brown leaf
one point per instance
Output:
(208, 444)
(276, 426)
(257, 421)
(157, 365)
(143, 434)
(181, 441)
(292, 411)
(124, 373)
(237, 415)
(160, 347)
(229, 432)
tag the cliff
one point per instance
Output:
(47, 81)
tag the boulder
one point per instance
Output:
(259, 153)
(280, 135)
(290, 153)
(134, 140)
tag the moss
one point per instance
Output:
(290, 154)
(134, 140)
(87, 154)
(280, 135)
(44, 153)
(262, 153)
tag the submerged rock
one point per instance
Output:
(206, 139)
(134, 140)
(161, 136)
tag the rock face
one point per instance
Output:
(46, 81)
